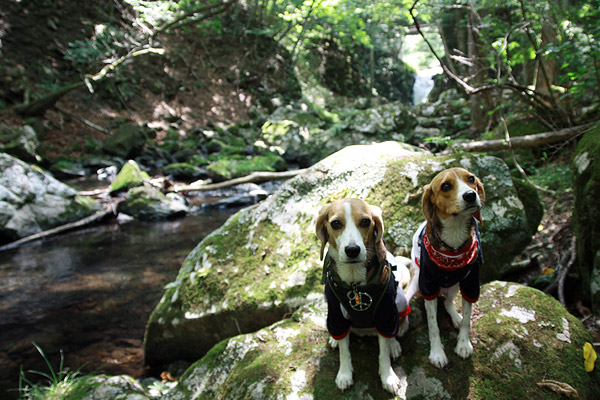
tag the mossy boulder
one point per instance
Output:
(520, 336)
(586, 184)
(20, 142)
(184, 171)
(263, 262)
(287, 131)
(148, 203)
(304, 136)
(31, 200)
(104, 387)
(67, 169)
(237, 166)
(126, 141)
(131, 175)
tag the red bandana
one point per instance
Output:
(448, 260)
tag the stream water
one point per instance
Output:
(424, 84)
(89, 293)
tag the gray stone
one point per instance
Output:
(33, 201)
(520, 337)
(586, 185)
(20, 142)
(148, 203)
(126, 141)
(263, 262)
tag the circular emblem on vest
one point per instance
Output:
(359, 301)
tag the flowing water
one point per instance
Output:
(423, 84)
(89, 293)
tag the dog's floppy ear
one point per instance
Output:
(321, 230)
(377, 216)
(427, 205)
(481, 192)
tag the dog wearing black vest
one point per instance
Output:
(446, 255)
(362, 291)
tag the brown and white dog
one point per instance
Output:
(361, 290)
(446, 255)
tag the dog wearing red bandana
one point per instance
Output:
(446, 255)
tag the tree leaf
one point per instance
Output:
(559, 387)
(589, 357)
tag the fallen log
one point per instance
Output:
(99, 215)
(527, 141)
(252, 178)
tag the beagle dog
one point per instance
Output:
(446, 255)
(363, 294)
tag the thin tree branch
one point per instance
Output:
(253, 177)
(527, 141)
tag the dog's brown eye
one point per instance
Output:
(446, 187)
(365, 223)
(471, 179)
(336, 224)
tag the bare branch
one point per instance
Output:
(253, 177)
(528, 141)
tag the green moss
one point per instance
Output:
(554, 176)
(182, 170)
(586, 172)
(234, 167)
(533, 341)
(131, 175)
(87, 203)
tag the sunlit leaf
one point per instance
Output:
(548, 271)
(589, 357)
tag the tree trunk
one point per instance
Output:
(545, 66)
(480, 102)
(539, 139)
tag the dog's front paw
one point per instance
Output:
(463, 348)
(333, 343)
(343, 379)
(391, 382)
(438, 358)
(395, 348)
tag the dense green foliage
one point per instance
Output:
(545, 52)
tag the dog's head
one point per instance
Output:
(353, 229)
(452, 192)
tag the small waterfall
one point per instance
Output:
(423, 85)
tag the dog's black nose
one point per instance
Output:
(470, 196)
(352, 251)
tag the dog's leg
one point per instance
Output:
(389, 379)
(450, 308)
(394, 348)
(403, 326)
(436, 353)
(344, 375)
(464, 348)
(413, 287)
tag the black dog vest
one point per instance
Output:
(368, 306)
(440, 269)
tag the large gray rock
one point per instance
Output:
(126, 141)
(586, 182)
(20, 142)
(31, 200)
(263, 262)
(521, 336)
(301, 136)
(148, 203)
